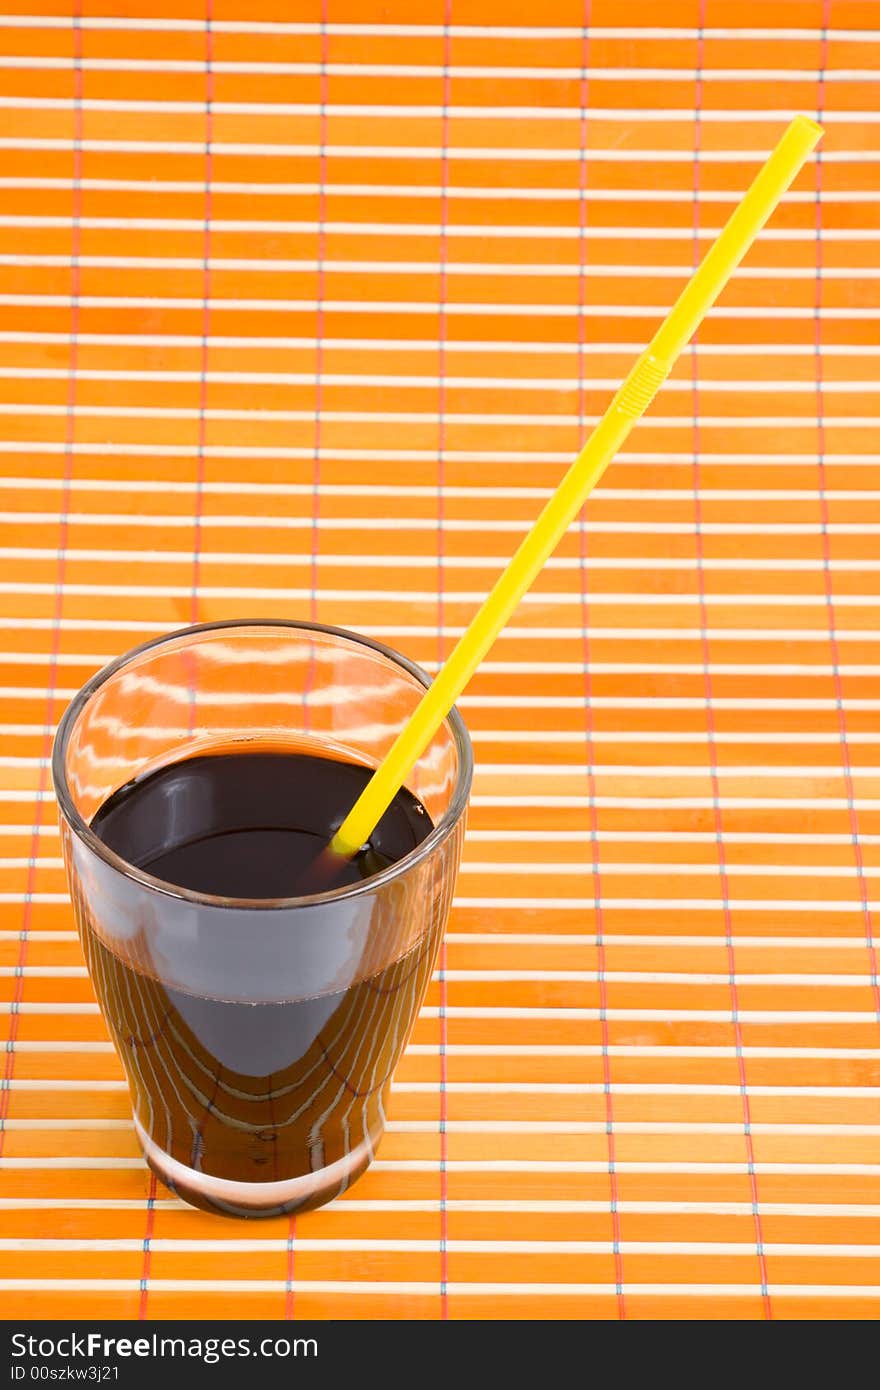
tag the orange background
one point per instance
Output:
(303, 319)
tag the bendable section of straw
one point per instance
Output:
(642, 385)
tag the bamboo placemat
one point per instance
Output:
(304, 319)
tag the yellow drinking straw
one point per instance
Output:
(645, 378)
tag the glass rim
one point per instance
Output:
(83, 831)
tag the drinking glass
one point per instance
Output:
(334, 980)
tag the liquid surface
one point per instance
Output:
(253, 824)
(258, 1091)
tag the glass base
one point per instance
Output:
(255, 1199)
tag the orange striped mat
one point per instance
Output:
(303, 319)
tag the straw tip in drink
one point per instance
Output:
(342, 848)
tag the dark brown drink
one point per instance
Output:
(252, 1089)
